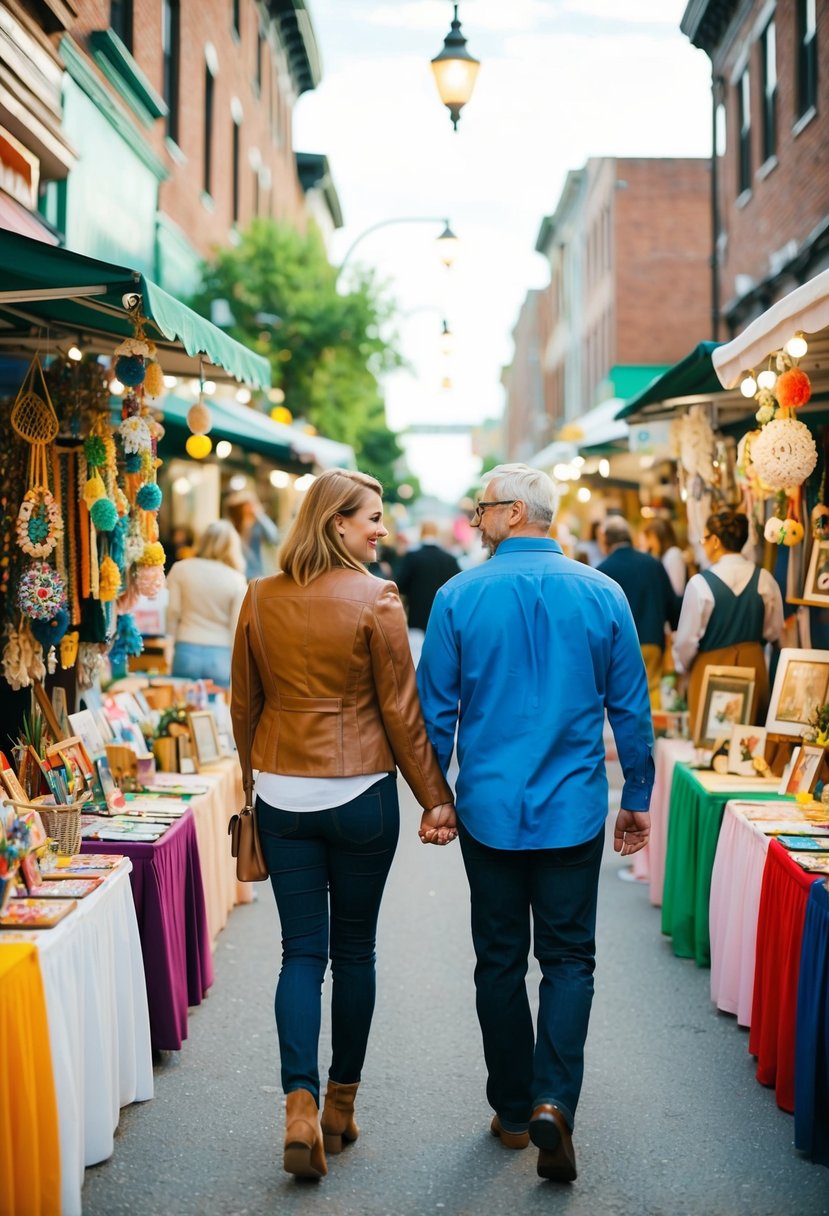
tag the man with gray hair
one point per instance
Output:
(523, 655)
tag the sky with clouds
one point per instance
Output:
(560, 81)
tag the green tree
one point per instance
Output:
(326, 350)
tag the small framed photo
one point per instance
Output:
(10, 787)
(725, 701)
(205, 737)
(802, 770)
(84, 725)
(801, 686)
(748, 743)
(816, 585)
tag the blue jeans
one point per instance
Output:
(192, 661)
(559, 888)
(328, 871)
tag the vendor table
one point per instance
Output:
(212, 812)
(698, 800)
(811, 1084)
(649, 863)
(169, 903)
(780, 920)
(29, 1152)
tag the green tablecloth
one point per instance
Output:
(693, 829)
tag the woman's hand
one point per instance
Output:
(438, 825)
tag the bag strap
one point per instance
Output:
(247, 775)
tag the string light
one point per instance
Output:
(748, 385)
(797, 346)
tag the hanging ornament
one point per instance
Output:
(784, 453)
(130, 370)
(793, 389)
(153, 380)
(135, 435)
(104, 514)
(94, 489)
(149, 497)
(150, 580)
(198, 446)
(69, 649)
(51, 630)
(109, 581)
(95, 450)
(39, 524)
(139, 345)
(199, 418)
(40, 592)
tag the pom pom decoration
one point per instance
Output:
(793, 389)
(130, 369)
(40, 593)
(94, 449)
(109, 580)
(51, 630)
(774, 530)
(135, 435)
(150, 580)
(784, 453)
(199, 418)
(94, 489)
(128, 641)
(153, 380)
(39, 525)
(198, 446)
(794, 532)
(104, 514)
(153, 555)
(132, 463)
(149, 497)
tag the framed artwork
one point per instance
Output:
(725, 701)
(816, 585)
(10, 787)
(802, 770)
(84, 725)
(748, 743)
(205, 737)
(801, 685)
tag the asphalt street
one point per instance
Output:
(671, 1120)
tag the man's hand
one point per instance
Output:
(438, 825)
(631, 832)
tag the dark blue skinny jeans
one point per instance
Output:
(328, 870)
(558, 888)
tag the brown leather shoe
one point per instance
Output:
(508, 1139)
(556, 1155)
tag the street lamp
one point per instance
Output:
(447, 242)
(455, 71)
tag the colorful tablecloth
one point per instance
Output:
(649, 863)
(811, 1080)
(29, 1146)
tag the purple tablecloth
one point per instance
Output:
(169, 904)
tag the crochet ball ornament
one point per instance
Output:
(774, 530)
(199, 418)
(40, 593)
(150, 580)
(49, 632)
(784, 453)
(130, 369)
(104, 514)
(148, 497)
(198, 446)
(793, 532)
(153, 380)
(793, 389)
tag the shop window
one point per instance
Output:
(209, 103)
(120, 21)
(171, 43)
(744, 124)
(768, 53)
(236, 136)
(260, 55)
(806, 57)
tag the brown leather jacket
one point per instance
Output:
(323, 683)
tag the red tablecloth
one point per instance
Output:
(777, 969)
(172, 922)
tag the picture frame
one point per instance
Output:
(816, 583)
(801, 685)
(10, 785)
(802, 770)
(725, 701)
(84, 725)
(747, 744)
(206, 748)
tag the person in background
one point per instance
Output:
(324, 705)
(255, 528)
(419, 577)
(523, 656)
(182, 544)
(648, 590)
(589, 551)
(660, 540)
(205, 596)
(729, 611)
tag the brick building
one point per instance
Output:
(524, 423)
(628, 248)
(770, 93)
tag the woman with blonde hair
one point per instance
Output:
(325, 707)
(205, 597)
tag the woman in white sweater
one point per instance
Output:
(206, 593)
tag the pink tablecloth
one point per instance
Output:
(649, 863)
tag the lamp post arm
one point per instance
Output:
(411, 219)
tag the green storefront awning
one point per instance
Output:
(690, 377)
(46, 293)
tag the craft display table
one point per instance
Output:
(811, 1083)
(212, 812)
(649, 863)
(698, 800)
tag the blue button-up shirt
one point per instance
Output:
(523, 655)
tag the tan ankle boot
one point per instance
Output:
(338, 1116)
(304, 1154)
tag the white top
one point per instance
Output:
(674, 564)
(311, 793)
(698, 604)
(205, 600)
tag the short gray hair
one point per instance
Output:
(531, 486)
(616, 530)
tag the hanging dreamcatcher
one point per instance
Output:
(39, 524)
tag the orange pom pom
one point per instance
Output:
(793, 389)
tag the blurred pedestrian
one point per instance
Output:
(256, 530)
(523, 656)
(325, 707)
(420, 576)
(660, 542)
(205, 596)
(589, 550)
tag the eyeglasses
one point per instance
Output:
(482, 506)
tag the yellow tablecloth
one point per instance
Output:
(29, 1148)
(212, 812)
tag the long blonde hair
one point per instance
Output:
(220, 542)
(313, 545)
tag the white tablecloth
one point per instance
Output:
(649, 863)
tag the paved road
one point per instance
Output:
(671, 1121)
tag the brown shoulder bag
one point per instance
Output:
(243, 829)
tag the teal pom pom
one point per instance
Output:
(104, 514)
(94, 449)
(132, 462)
(130, 369)
(148, 497)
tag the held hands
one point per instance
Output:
(631, 832)
(438, 825)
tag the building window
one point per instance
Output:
(234, 18)
(768, 51)
(235, 182)
(744, 124)
(260, 54)
(209, 102)
(806, 57)
(171, 44)
(120, 21)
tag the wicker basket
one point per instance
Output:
(60, 821)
